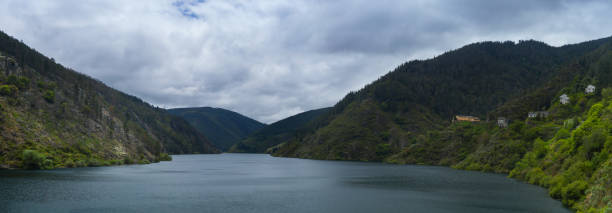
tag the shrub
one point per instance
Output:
(165, 157)
(32, 159)
(573, 192)
(594, 142)
(70, 163)
(46, 85)
(562, 134)
(23, 83)
(20, 82)
(540, 147)
(383, 150)
(81, 163)
(517, 127)
(49, 96)
(128, 160)
(47, 164)
(557, 183)
(606, 93)
(535, 176)
(8, 90)
(94, 162)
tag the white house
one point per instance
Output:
(564, 99)
(532, 114)
(541, 114)
(502, 122)
(589, 89)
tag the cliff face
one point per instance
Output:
(73, 120)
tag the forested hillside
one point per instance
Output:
(51, 116)
(277, 132)
(222, 127)
(404, 117)
(419, 96)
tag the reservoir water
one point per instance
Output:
(260, 183)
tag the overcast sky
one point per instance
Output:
(270, 59)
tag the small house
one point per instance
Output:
(502, 122)
(564, 99)
(538, 114)
(589, 89)
(466, 118)
(532, 114)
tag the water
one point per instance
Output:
(260, 183)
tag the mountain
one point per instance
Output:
(222, 127)
(419, 96)
(405, 117)
(52, 116)
(277, 132)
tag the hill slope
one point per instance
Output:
(277, 132)
(570, 151)
(68, 119)
(383, 117)
(222, 127)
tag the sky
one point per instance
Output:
(270, 59)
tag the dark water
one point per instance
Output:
(260, 183)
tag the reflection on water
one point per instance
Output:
(260, 183)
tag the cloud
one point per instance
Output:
(271, 59)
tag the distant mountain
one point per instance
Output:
(52, 116)
(222, 127)
(277, 132)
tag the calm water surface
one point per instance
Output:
(260, 183)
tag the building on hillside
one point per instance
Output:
(502, 122)
(466, 118)
(589, 89)
(564, 99)
(532, 114)
(538, 114)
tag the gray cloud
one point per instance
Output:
(271, 59)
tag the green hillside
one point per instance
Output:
(421, 96)
(404, 117)
(277, 132)
(51, 116)
(222, 127)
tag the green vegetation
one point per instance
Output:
(20, 82)
(165, 157)
(49, 96)
(32, 159)
(222, 127)
(277, 132)
(53, 117)
(404, 117)
(573, 166)
(8, 90)
(422, 96)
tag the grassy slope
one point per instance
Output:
(222, 127)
